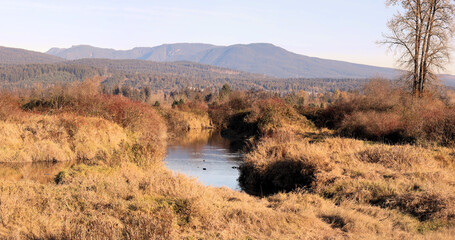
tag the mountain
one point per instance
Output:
(448, 80)
(163, 53)
(21, 56)
(261, 58)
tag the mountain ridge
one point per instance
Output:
(21, 56)
(261, 58)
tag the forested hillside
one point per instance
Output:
(21, 56)
(24, 69)
(259, 58)
(30, 75)
(167, 52)
(158, 76)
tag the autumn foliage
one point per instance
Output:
(385, 113)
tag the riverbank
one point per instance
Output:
(310, 183)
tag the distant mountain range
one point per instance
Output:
(261, 58)
(21, 56)
(265, 59)
(448, 80)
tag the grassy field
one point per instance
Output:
(301, 180)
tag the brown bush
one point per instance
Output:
(245, 116)
(385, 113)
(9, 106)
(182, 121)
(146, 126)
(372, 125)
(279, 176)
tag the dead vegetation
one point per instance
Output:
(414, 181)
(130, 202)
(386, 113)
(311, 182)
(62, 137)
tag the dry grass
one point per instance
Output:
(129, 202)
(42, 172)
(387, 114)
(179, 120)
(145, 128)
(193, 138)
(247, 116)
(415, 181)
(59, 138)
(317, 186)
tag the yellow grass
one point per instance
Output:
(415, 181)
(338, 188)
(129, 202)
(179, 120)
(59, 138)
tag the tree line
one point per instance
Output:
(157, 76)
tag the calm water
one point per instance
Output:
(206, 156)
(189, 154)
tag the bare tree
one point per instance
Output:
(421, 33)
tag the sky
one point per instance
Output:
(346, 30)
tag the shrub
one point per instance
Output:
(279, 176)
(145, 124)
(9, 106)
(248, 115)
(372, 125)
(385, 113)
(177, 103)
(181, 121)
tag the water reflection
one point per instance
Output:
(205, 155)
(42, 172)
(202, 154)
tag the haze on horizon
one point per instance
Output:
(340, 30)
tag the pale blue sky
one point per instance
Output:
(335, 29)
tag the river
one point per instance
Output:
(207, 156)
(204, 155)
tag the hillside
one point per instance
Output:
(164, 53)
(179, 68)
(259, 58)
(448, 80)
(158, 76)
(21, 56)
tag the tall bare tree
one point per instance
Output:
(421, 33)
